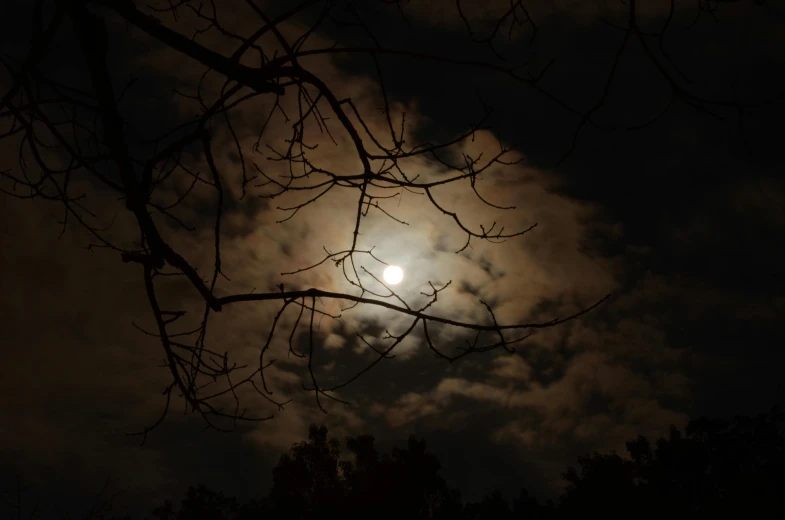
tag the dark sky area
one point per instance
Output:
(671, 198)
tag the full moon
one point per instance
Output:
(393, 275)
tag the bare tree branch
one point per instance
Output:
(88, 132)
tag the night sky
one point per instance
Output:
(670, 198)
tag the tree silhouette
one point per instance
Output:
(71, 128)
(529, 507)
(74, 127)
(405, 483)
(313, 481)
(202, 503)
(308, 482)
(715, 467)
(490, 507)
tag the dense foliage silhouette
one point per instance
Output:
(312, 481)
(713, 468)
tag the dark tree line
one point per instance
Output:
(713, 468)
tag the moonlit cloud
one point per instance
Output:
(80, 375)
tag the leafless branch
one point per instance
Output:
(89, 135)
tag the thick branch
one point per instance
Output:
(257, 79)
(309, 293)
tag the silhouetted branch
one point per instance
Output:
(92, 139)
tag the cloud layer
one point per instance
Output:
(80, 375)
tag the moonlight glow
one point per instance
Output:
(393, 275)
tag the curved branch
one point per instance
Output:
(309, 293)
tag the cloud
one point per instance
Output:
(408, 407)
(95, 360)
(86, 375)
(511, 368)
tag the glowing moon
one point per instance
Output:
(393, 275)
